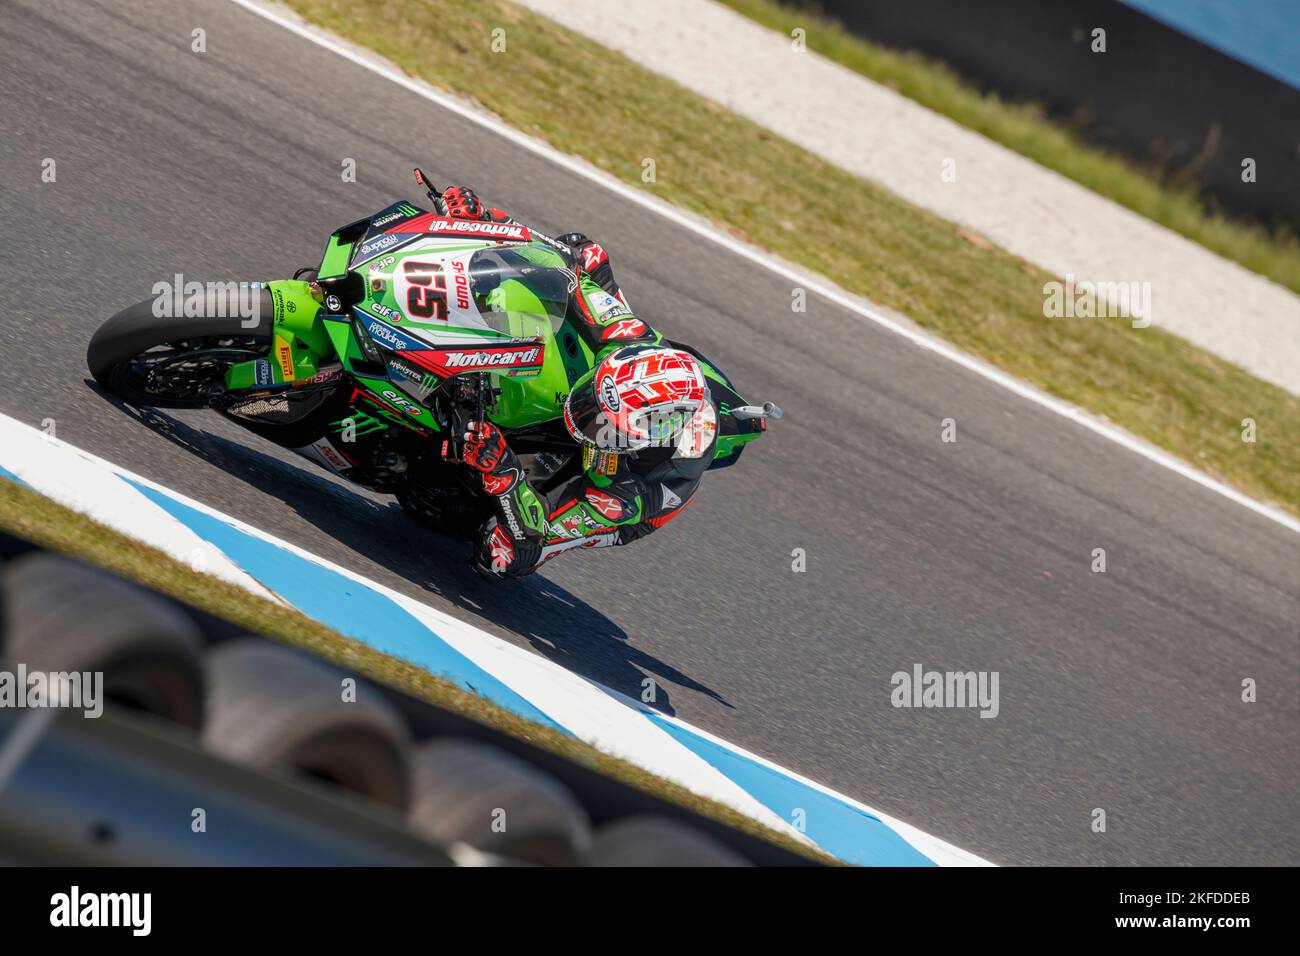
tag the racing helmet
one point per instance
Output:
(636, 397)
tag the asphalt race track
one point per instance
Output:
(1118, 690)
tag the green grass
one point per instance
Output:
(41, 521)
(585, 100)
(1023, 127)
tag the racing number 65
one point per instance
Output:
(427, 296)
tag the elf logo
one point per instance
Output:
(401, 402)
(493, 359)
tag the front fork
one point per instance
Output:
(300, 343)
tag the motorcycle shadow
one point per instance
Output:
(557, 624)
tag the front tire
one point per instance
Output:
(175, 362)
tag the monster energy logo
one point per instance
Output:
(427, 380)
(360, 423)
(405, 209)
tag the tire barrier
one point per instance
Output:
(305, 762)
(274, 708)
(62, 615)
(468, 792)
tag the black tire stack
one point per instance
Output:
(280, 711)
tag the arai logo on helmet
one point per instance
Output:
(609, 394)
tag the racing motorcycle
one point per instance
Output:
(413, 325)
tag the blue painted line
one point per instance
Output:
(347, 606)
(6, 473)
(839, 828)
(363, 613)
(1261, 33)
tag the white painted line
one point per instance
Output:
(940, 851)
(604, 718)
(85, 483)
(370, 61)
(593, 713)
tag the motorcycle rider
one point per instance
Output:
(643, 417)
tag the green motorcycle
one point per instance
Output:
(413, 325)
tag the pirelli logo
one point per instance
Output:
(285, 357)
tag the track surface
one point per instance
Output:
(1118, 690)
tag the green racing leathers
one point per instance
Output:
(617, 498)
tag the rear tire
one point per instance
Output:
(115, 350)
(456, 516)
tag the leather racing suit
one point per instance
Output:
(618, 497)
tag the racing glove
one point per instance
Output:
(485, 447)
(459, 202)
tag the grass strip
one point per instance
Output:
(588, 101)
(1162, 197)
(52, 526)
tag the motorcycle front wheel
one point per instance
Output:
(175, 362)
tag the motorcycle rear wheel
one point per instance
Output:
(457, 517)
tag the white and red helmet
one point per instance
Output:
(636, 397)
